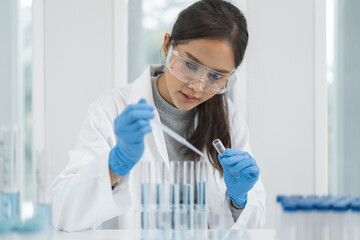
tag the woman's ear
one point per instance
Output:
(166, 44)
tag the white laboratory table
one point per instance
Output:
(268, 234)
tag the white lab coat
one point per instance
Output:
(82, 194)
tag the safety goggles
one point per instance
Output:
(188, 71)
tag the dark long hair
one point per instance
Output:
(217, 20)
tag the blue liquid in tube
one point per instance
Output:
(10, 204)
(188, 198)
(202, 194)
(174, 203)
(145, 196)
(44, 211)
(145, 204)
(174, 196)
(145, 219)
(160, 195)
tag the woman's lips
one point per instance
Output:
(188, 98)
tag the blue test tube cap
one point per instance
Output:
(343, 204)
(306, 205)
(296, 197)
(324, 204)
(280, 198)
(289, 206)
(312, 197)
(293, 198)
(355, 205)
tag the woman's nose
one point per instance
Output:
(197, 86)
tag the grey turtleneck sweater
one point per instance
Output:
(177, 120)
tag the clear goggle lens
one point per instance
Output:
(188, 71)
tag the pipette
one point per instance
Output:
(177, 137)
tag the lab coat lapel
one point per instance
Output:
(142, 88)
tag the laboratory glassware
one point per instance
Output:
(145, 194)
(10, 161)
(188, 192)
(43, 184)
(201, 211)
(218, 146)
(161, 213)
(174, 192)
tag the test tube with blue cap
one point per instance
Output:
(145, 195)
(288, 221)
(306, 219)
(339, 226)
(322, 218)
(355, 218)
(11, 164)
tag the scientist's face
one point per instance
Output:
(213, 54)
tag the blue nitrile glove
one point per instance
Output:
(240, 174)
(130, 128)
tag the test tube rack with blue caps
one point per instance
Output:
(318, 217)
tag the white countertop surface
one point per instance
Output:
(268, 234)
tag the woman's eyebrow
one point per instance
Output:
(192, 57)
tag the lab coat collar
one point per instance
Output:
(141, 86)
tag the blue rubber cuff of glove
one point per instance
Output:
(115, 163)
(239, 201)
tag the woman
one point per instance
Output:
(100, 186)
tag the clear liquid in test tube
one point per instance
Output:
(11, 169)
(201, 214)
(161, 214)
(145, 195)
(174, 192)
(160, 185)
(188, 192)
(202, 178)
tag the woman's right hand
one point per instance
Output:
(130, 128)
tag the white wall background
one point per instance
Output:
(9, 63)
(280, 70)
(280, 95)
(78, 67)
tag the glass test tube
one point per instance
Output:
(202, 177)
(43, 178)
(10, 161)
(174, 192)
(218, 146)
(201, 214)
(161, 216)
(160, 185)
(174, 184)
(145, 195)
(188, 193)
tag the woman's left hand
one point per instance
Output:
(240, 174)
